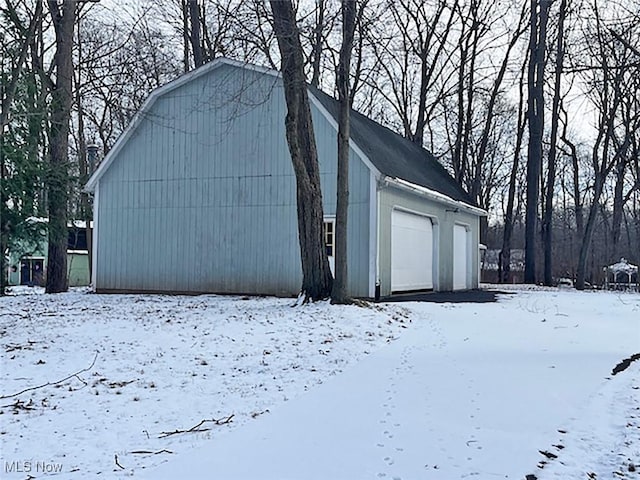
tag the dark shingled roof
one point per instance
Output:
(394, 155)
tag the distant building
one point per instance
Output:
(621, 276)
(27, 263)
(490, 264)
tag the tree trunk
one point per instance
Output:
(459, 160)
(539, 16)
(4, 225)
(194, 33)
(547, 222)
(588, 232)
(495, 91)
(9, 92)
(340, 293)
(427, 67)
(185, 35)
(577, 196)
(3, 263)
(64, 19)
(504, 263)
(316, 50)
(618, 206)
(83, 163)
(316, 275)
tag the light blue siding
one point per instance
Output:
(201, 198)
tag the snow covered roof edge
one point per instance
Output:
(623, 266)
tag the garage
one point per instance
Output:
(411, 252)
(461, 263)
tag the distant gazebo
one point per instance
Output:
(621, 276)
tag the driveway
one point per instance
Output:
(464, 296)
(469, 391)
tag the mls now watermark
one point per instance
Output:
(28, 466)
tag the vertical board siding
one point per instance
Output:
(359, 201)
(202, 196)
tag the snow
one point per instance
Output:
(436, 195)
(421, 390)
(623, 266)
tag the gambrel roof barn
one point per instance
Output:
(198, 195)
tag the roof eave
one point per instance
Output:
(433, 195)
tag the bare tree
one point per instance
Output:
(316, 275)
(547, 221)
(340, 292)
(120, 63)
(64, 19)
(411, 46)
(9, 91)
(11, 74)
(612, 71)
(537, 62)
(195, 24)
(489, 112)
(624, 169)
(317, 43)
(504, 262)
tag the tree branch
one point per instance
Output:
(196, 428)
(68, 377)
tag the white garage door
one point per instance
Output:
(411, 252)
(461, 262)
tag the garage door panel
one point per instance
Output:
(411, 252)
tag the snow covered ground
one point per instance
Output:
(163, 363)
(441, 391)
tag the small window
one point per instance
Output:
(77, 239)
(329, 237)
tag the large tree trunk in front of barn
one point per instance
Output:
(64, 18)
(340, 292)
(316, 275)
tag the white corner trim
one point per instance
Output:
(373, 233)
(94, 235)
(332, 121)
(433, 195)
(151, 99)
